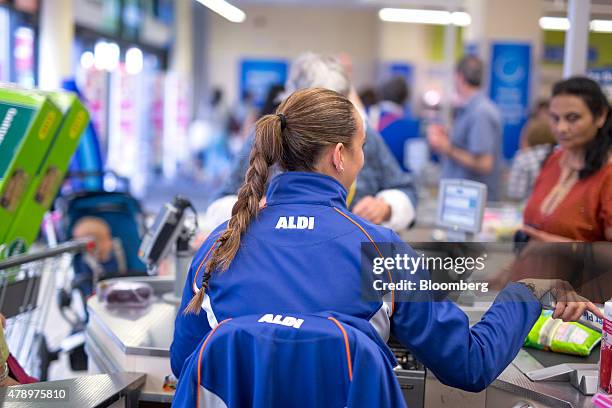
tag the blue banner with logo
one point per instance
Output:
(257, 76)
(509, 89)
(402, 69)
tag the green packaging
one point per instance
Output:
(561, 337)
(50, 174)
(28, 123)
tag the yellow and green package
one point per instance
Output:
(28, 123)
(49, 175)
(561, 337)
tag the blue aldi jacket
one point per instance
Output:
(256, 353)
(302, 255)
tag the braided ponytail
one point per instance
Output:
(267, 150)
(306, 123)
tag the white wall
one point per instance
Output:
(286, 32)
(409, 43)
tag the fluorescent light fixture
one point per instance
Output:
(417, 16)
(134, 61)
(554, 23)
(225, 10)
(563, 24)
(113, 52)
(460, 18)
(87, 60)
(601, 26)
(100, 55)
(106, 55)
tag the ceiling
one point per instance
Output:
(599, 8)
(433, 4)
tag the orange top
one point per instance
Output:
(575, 209)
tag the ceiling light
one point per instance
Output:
(601, 26)
(225, 10)
(417, 16)
(554, 23)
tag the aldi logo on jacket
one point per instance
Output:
(292, 222)
(288, 321)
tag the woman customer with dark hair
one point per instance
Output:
(572, 197)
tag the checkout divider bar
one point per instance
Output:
(68, 247)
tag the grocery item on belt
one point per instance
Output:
(561, 337)
(601, 400)
(605, 359)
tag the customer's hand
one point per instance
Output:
(373, 209)
(569, 305)
(437, 136)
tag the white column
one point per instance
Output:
(55, 42)
(450, 40)
(577, 38)
(181, 59)
(474, 34)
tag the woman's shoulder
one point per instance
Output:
(551, 163)
(607, 173)
(375, 232)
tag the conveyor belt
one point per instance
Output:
(548, 359)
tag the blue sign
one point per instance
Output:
(553, 54)
(509, 89)
(257, 76)
(400, 69)
(603, 76)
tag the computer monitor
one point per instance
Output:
(461, 205)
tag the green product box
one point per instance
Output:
(28, 122)
(42, 191)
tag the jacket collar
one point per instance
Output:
(295, 187)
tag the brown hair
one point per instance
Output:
(314, 118)
(538, 132)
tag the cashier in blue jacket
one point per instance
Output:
(301, 253)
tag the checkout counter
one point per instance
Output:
(119, 342)
(139, 341)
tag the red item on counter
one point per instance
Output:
(600, 400)
(18, 373)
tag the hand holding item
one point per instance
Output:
(569, 305)
(437, 137)
(373, 209)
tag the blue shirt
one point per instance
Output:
(478, 130)
(303, 254)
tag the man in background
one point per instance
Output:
(473, 149)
